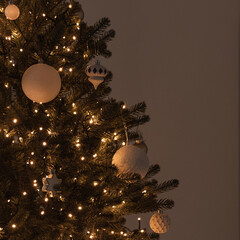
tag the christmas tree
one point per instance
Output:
(72, 161)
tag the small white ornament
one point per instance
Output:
(81, 14)
(142, 145)
(131, 159)
(160, 223)
(12, 12)
(51, 184)
(41, 83)
(96, 74)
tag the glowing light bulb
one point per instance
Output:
(112, 232)
(44, 144)
(139, 219)
(15, 120)
(36, 111)
(46, 199)
(75, 113)
(74, 38)
(60, 69)
(70, 69)
(79, 207)
(44, 14)
(42, 212)
(91, 121)
(78, 145)
(70, 215)
(41, 128)
(14, 225)
(95, 155)
(123, 143)
(95, 183)
(24, 193)
(73, 104)
(124, 106)
(82, 158)
(70, 5)
(21, 50)
(32, 153)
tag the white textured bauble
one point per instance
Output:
(41, 83)
(160, 223)
(12, 12)
(131, 159)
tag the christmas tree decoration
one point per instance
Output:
(96, 74)
(80, 14)
(131, 159)
(41, 83)
(77, 134)
(12, 12)
(160, 222)
(142, 145)
(51, 184)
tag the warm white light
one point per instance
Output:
(41, 128)
(32, 153)
(75, 113)
(124, 106)
(60, 69)
(14, 225)
(36, 111)
(113, 206)
(142, 230)
(74, 38)
(46, 199)
(73, 104)
(44, 15)
(91, 121)
(95, 183)
(123, 143)
(123, 202)
(121, 233)
(15, 120)
(24, 193)
(104, 190)
(42, 212)
(78, 145)
(82, 158)
(31, 162)
(70, 69)
(70, 215)
(80, 208)
(112, 232)
(139, 219)
(70, 5)
(21, 50)
(95, 155)
(44, 144)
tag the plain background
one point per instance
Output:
(181, 57)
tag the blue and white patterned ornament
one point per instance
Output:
(96, 74)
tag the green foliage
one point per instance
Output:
(79, 147)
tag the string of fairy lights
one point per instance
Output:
(93, 120)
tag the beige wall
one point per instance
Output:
(181, 56)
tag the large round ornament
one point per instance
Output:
(41, 83)
(160, 223)
(12, 12)
(96, 74)
(131, 159)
